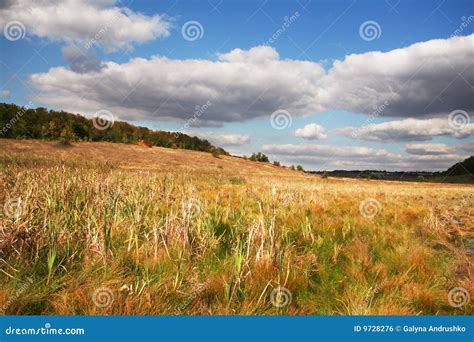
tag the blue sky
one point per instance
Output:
(332, 103)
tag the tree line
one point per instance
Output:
(39, 123)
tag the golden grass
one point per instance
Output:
(181, 232)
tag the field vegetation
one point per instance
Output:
(101, 228)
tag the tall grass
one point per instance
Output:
(184, 243)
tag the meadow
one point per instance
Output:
(101, 228)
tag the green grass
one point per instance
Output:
(184, 243)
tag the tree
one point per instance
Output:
(259, 157)
(22, 122)
(67, 134)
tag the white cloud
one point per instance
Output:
(327, 151)
(468, 147)
(311, 132)
(240, 86)
(329, 157)
(81, 60)
(440, 150)
(83, 22)
(254, 55)
(425, 79)
(222, 139)
(430, 149)
(407, 130)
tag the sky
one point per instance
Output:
(329, 85)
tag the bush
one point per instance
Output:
(259, 157)
(374, 175)
(299, 168)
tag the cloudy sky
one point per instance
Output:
(326, 84)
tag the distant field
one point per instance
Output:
(100, 228)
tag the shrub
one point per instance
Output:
(259, 157)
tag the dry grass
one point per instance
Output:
(182, 232)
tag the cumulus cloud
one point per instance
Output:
(432, 149)
(468, 147)
(98, 23)
(322, 152)
(456, 151)
(424, 79)
(80, 60)
(407, 130)
(222, 139)
(311, 132)
(433, 162)
(329, 157)
(240, 85)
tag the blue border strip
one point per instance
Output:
(237, 328)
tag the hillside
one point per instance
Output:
(28, 123)
(127, 156)
(466, 167)
(163, 160)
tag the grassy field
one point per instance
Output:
(98, 228)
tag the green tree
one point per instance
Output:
(259, 157)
